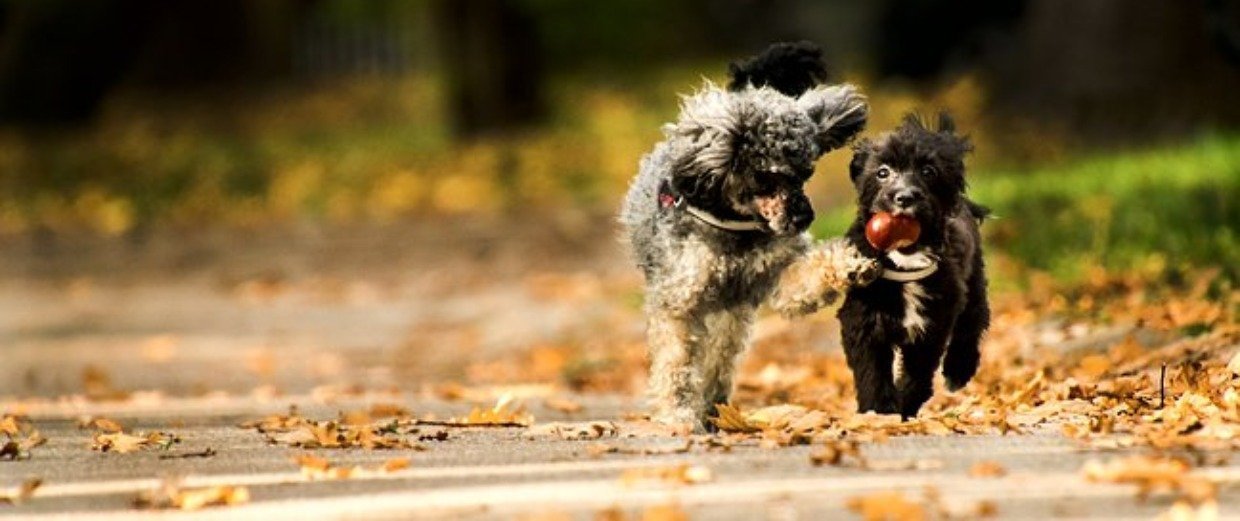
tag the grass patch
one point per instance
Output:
(1164, 208)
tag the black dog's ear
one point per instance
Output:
(840, 113)
(790, 68)
(861, 154)
(947, 125)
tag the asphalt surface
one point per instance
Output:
(501, 473)
(202, 345)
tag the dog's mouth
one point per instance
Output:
(783, 214)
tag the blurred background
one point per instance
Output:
(313, 152)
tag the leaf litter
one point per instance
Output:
(20, 437)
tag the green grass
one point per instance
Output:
(1164, 208)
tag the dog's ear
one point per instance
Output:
(947, 125)
(947, 128)
(704, 140)
(839, 112)
(861, 154)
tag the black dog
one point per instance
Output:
(932, 295)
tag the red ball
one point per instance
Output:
(887, 232)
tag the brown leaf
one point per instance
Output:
(171, 496)
(664, 513)
(681, 474)
(21, 493)
(987, 469)
(563, 405)
(124, 443)
(573, 431)
(886, 506)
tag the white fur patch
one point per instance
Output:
(913, 261)
(914, 321)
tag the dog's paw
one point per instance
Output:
(849, 266)
(681, 419)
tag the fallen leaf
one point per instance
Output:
(664, 513)
(573, 431)
(170, 495)
(99, 423)
(205, 453)
(681, 474)
(886, 506)
(315, 467)
(563, 405)
(987, 469)
(21, 493)
(124, 443)
(1151, 474)
(834, 453)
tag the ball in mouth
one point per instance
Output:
(886, 231)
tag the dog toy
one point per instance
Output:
(886, 231)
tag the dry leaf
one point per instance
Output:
(314, 467)
(886, 506)
(573, 431)
(21, 493)
(664, 513)
(22, 437)
(682, 474)
(1151, 474)
(834, 453)
(170, 495)
(987, 469)
(563, 405)
(124, 443)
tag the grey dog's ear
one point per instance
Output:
(840, 112)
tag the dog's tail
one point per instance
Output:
(790, 68)
(979, 212)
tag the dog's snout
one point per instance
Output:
(800, 213)
(801, 220)
(907, 197)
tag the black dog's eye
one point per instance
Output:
(883, 172)
(929, 171)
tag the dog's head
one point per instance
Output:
(746, 154)
(913, 170)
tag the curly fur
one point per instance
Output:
(742, 154)
(918, 171)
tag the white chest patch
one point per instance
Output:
(914, 261)
(914, 306)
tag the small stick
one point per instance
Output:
(1162, 386)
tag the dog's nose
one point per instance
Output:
(801, 220)
(907, 198)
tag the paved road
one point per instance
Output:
(235, 330)
(499, 473)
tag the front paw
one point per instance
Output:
(682, 419)
(849, 264)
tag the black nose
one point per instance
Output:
(801, 220)
(906, 198)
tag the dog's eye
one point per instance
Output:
(929, 171)
(883, 172)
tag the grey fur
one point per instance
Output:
(704, 285)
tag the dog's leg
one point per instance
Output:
(676, 379)
(964, 351)
(821, 276)
(869, 356)
(915, 383)
(728, 333)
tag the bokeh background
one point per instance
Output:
(272, 173)
(1104, 130)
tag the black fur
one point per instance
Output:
(789, 67)
(924, 177)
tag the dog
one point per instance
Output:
(716, 218)
(930, 303)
